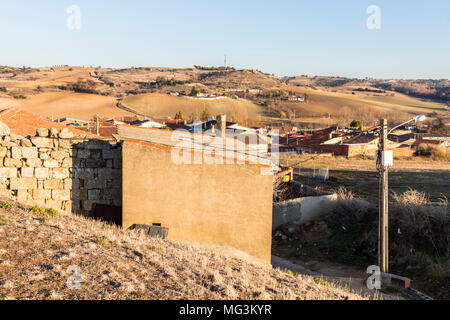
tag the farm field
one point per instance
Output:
(161, 105)
(74, 105)
(360, 176)
(40, 91)
(327, 107)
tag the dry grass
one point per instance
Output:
(73, 105)
(330, 107)
(411, 197)
(434, 152)
(163, 105)
(415, 163)
(36, 253)
(424, 225)
(344, 194)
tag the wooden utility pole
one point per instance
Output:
(97, 125)
(383, 228)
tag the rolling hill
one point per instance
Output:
(70, 104)
(328, 107)
(163, 105)
(83, 92)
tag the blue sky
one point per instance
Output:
(282, 37)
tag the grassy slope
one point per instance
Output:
(339, 104)
(36, 251)
(69, 104)
(348, 105)
(161, 105)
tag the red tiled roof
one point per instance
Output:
(106, 129)
(25, 124)
(316, 139)
(126, 119)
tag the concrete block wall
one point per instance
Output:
(61, 171)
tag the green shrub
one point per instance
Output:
(102, 240)
(44, 211)
(5, 205)
(292, 273)
(356, 124)
(194, 92)
(321, 281)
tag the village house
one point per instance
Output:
(210, 198)
(136, 181)
(24, 123)
(342, 142)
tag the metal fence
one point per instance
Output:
(312, 175)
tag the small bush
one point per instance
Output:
(103, 241)
(5, 205)
(350, 214)
(44, 211)
(138, 294)
(292, 273)
(52, 212)
(421, 225)
(344, 194)
(410, 197)
(434, 152)
(321, 282)
(440, 153)
(356, 124)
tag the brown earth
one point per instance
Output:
(36, 251)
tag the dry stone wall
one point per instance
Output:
(61, 171)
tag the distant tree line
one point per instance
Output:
(213, 68)
(81, 86)
(161, 82)
(369, 90)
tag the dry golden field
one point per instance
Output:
(74, 105)
(39, 90)
(326, 107)
(161, 105)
